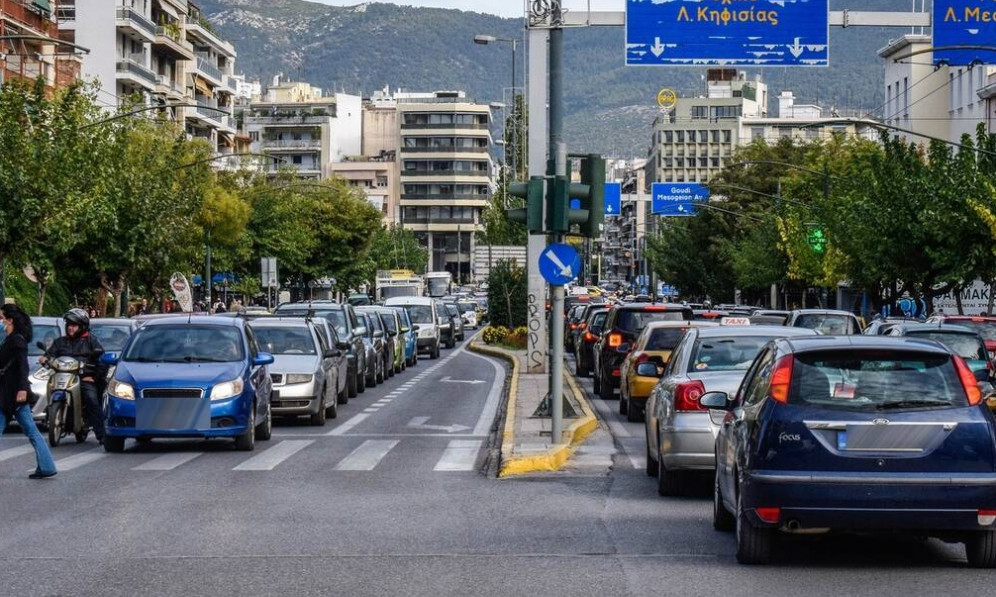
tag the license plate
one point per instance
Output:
(841, 440)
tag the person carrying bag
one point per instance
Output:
(15, 388)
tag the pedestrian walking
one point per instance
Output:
(15, 388)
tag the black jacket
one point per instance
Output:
(13, 356)
(86, 348)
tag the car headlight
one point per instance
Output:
(42, 374)
(120, 389)
(227, 389)
(298, 378)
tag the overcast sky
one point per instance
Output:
(505, 8)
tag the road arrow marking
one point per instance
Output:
(658, 48)
(420, 423)
(796, 49)
(448, 379)
(565, 270)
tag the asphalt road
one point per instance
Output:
(391, 499)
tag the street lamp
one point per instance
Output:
(484, 40)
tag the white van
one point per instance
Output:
(421, 310)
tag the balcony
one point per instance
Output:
(195, 29)
(479, 173)
(444, 196)
(134, 24)
(209, 70)
(168, 41)
(132, 69)
(446, 150)
(278, 144)
(417, 126)
(27, 13)
(287, 120)
(230, 85)
(170, 88)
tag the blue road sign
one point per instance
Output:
(559, 264)
(613, 198)
(676, 199)
(668, 290)
(727, 33)
(964, 23)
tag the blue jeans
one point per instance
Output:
(42, 454)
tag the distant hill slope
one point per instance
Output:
(609, 107)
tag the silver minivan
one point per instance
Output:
(422, 311)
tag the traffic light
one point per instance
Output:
(593, 176)
(532, 214)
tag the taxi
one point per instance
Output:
(652, 347)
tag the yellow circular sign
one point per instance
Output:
(667, 98)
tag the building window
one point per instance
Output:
(668, 136)
(297, 159)
(681, 136)
(691, 136)
(700, 112)
(727, 136)
(381, 181)
(253, 136)
(715, 136)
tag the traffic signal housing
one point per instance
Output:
(593, 177)
(532, 214)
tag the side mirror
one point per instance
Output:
(647, 370)
(342, 345)
(378, 334)
(331, 353)
(416, 327)
(392, 333)
(716, 400)
(108, 358)
(360, 331)
(405, 330)
(262, 358)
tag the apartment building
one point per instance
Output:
(988, 94)
(803, 123)
(30, 45)
(376, 176)
(301, 128)
(445, 174)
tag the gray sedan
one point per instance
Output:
(681, 435)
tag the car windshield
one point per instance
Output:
(452, 309)
(875, 380)
(633, 320)
(967, 346)
(830, 325)
(373, 321)
(419, 313)
(467, 307)
(111, 337)
(734, 353)
(389, 321)
(185, 344)
(664, 338)
(335, 316)
(46, 334)
(598, 320)
(285, 340)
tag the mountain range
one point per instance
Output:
(609, 107)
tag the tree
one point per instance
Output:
(397, 248)
(507, 294)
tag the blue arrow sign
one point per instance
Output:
(676, 199)
(613, 198)
(559, 264)
(756, 33)
(963, 23)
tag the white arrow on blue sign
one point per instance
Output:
(559, 264)
(613, 198)
(676, 199)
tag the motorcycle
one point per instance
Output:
(65, 401)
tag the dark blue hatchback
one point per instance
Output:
(859, 433)
(189, 377)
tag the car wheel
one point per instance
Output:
(753, 544)
(581, 370)
(371, 380)
(56, 421)
(634, 413)
(318, 417)
(333, 410)
(651, 467)
(361, 382)
(722, 520)
(264, 431)
(81, 436)
(352, 386)
(343, 396)
(113, 444)
(668, 482)
(980, 549)
(605, 389)
(435, 352)
(247, 441)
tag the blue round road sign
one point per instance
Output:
(559, 264)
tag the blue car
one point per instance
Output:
(199, 377)
(410, 336)
(856, 433)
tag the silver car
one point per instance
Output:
(681, 435)
(45, 331)
(304, 382)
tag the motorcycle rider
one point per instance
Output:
(81, 345)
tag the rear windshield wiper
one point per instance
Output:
(911, 404)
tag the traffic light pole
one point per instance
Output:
(558, 150)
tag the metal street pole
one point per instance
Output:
(559, 166)
(536, 89)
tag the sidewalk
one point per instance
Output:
(526, 445)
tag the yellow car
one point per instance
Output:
(652, 348)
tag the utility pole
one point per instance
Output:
(557, 165)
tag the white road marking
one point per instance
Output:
(494, 397)
(383, 401)
(460, 455)
(167, 462)
(367, 456)
(271, 457)
(345, 427)
(15, 452)
(68, 464)
(370, 410)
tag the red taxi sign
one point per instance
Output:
(734, 321)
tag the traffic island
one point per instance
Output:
(526, 445)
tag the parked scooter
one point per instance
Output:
(65, 401)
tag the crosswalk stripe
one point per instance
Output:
(167, 462)
(345, 427)
(367, 456)
(271, 457)
(15, 452)
(460, 455)
(71, 462)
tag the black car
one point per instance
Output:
(586, 341)
(447, 331)
(622, 326)
(456, 320)
(387, 338)
(347, 326)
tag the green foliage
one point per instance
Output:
(494, 334)
(507, 294)
(397, 248)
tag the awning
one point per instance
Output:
(166, 8)
(228, 139)
(43, 5)
(202, 86)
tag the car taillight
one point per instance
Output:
(781, 379)
(582, 326)
(769, 515)
(686, 396)
(572, 326)
(968, 380)
(589, 337)
(986, 517)
(991, 347)
(615, 340)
